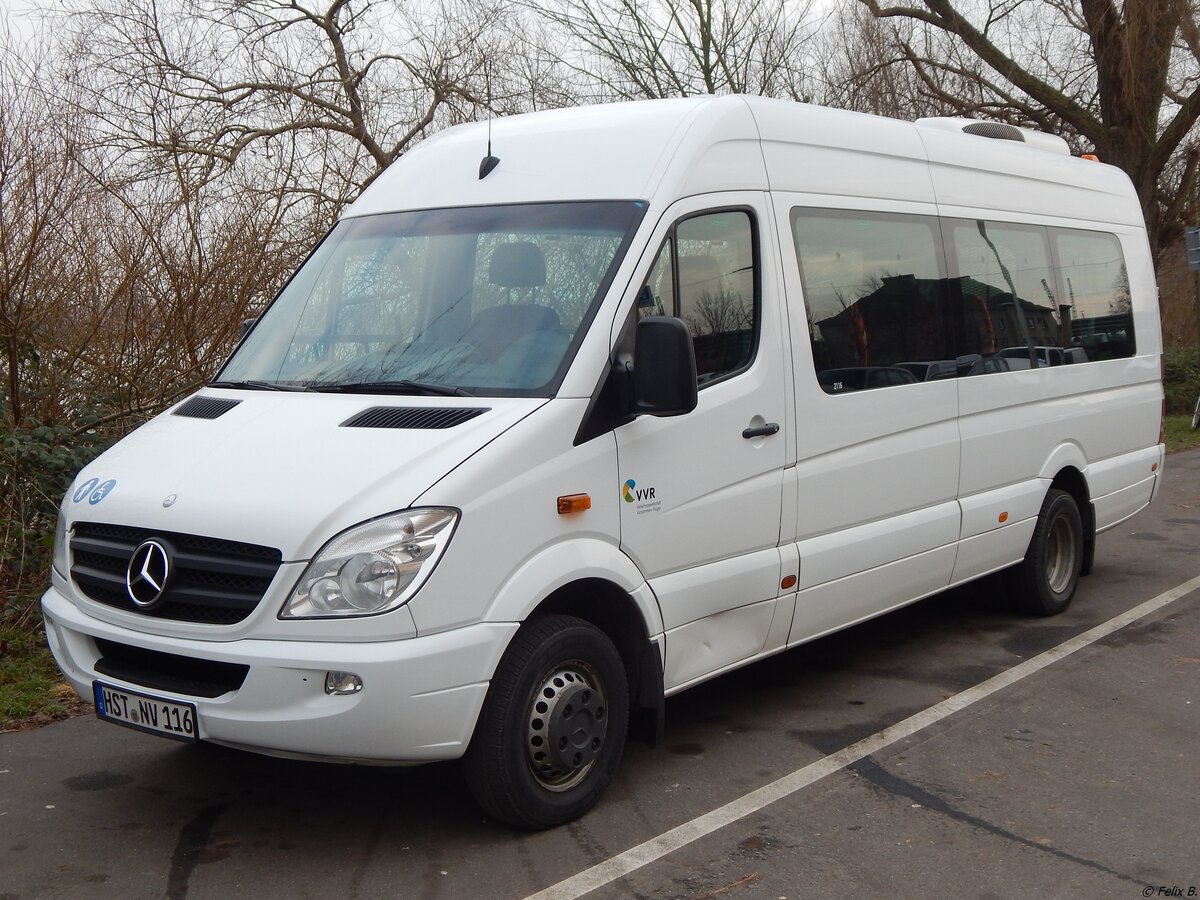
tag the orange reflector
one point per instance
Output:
(573, 503)
(788, 582)
(1003, 518)
(1154, 467)
(1092, 156)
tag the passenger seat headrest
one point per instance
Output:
(519, 264)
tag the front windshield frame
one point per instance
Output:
(241, 369)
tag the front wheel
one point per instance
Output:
(553, 724)
(1044, 582)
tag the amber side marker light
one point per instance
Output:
(789, 581)
(573, 503)
(1003, 517)
(1092, 156)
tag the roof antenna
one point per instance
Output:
(489, 162)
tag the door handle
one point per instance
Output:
(761, 431)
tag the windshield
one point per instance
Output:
(482, 300)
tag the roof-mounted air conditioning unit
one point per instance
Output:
(999, 131)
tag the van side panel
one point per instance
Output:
(839, 604)
(839, 154)
(997, 526)
(1013, 422)
(712, 643)
(513, 546)
(1123, 485)
(993, 550)
(868, 460)
(1001, 176)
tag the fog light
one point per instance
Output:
(342, 683)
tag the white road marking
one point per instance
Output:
(680, 836)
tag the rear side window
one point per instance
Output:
(1095, 304)
(896, 299)
(706, 274)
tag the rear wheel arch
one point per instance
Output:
(1074, 482)
(1044, 582)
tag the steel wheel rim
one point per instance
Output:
(568, 704)
(1060, 554)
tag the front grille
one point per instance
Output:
(168, 672)
(213, 581)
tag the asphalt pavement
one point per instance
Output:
(1080, 779)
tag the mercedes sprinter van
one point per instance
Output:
(547, 430)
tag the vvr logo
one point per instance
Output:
(631, 492)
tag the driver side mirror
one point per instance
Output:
(664, 368)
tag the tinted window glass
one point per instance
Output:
(705, 275)
(882, 310)
(658, 293)
(1096, 303)
(1005, 291)
(874, 292)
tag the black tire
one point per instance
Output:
(568, 671)
(1044, 582)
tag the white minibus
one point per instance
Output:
(566, 416)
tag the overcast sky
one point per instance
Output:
(20, 15)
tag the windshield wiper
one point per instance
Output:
(258, 385)
(403, 386)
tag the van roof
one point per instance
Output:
(661, 150)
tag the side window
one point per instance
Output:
(1096, 307)
(1005, 309)
(874, 292)
(657, 297)
(883, 310)
(706, 274)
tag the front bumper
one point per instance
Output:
(419, 702)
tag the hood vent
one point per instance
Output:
(412, 417)
(205, 408)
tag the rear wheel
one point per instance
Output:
(553, 724)
(1044, 582)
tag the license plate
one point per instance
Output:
(169, 718)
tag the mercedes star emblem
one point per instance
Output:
(148, 573)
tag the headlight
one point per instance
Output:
(62, 558)
(374, 567)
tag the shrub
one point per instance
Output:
(1181, 379)
(37, 463)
